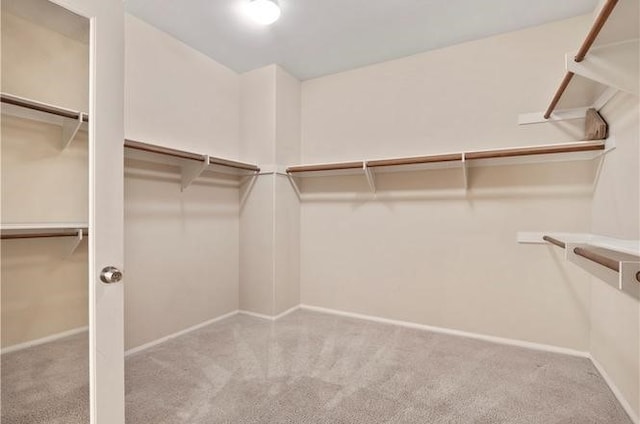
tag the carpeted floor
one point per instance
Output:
(315, 368)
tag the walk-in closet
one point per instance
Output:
(283, 211)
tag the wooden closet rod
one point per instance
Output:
(597, 258)
(554, 241)
(39, 235)
(415, 160)
(325, 167)
(42, 107)
(601, 19)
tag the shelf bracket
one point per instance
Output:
(192, 171)
(75, 242)
(371, 180)
(611, 65)
(294, 184)
(248, 188)
(70, 128)
(465, 172)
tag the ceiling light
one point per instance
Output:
(264, 12)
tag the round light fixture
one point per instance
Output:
(264, 12)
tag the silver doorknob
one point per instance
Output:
(110, 275)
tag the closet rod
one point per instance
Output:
(415, 160)
(40, 235)
(598, 258)
(233, 164)
(601, 19)
(554, 241)
(41, 107)
(325, 167)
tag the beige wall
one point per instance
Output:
(176, 96)
(181, 248)
(615, 316)
(441, 256)
(270, 218)
(44, 289)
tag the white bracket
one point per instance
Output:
(192, 171)
(252, 181)
(294, 184)
(465, 171)
(370, 177)
(70, 128)
(613, 65)
(75, 242)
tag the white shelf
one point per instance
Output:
(624, 254)
(71, 121)
(191, 165)
(610, 65)
(72, 232)
(563, 152)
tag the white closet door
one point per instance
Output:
(106, 138)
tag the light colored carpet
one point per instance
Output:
(315, 368)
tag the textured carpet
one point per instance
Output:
(315, 368)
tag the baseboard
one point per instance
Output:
(270, 317)
(178, 334)
(616, 392)
(451, 332)
(44, 340)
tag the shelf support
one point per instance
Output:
(294, 184)
(370, 177)
(75, 242)
(70, 128)
(465, 172)
(192, 171)
(614, 65)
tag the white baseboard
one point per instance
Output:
(617, 393)
(442, 330)
(270, 317)
(178, 334)
(43, 340)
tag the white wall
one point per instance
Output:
(176, 96)
(615, 316)
(269, 228)
(44, 288)
(181, 248)
(426, 251)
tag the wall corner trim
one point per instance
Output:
(178, 334)
(616, 392)
(43, 340)
(452, 332)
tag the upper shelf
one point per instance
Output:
(192, 165)
(71, 121)
(582, 150)
(607, 59)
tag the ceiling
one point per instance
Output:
(319, 37)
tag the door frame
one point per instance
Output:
(106, 211)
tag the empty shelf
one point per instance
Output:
(34, 109)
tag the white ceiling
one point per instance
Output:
(50, 15)
(318, 37)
